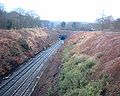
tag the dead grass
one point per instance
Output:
(12, 50)
(105, 47)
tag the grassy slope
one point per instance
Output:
(18, 45)
(91, 65)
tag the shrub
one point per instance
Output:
(94, 88)
(74, 77)
(22, 42)
(50, 92)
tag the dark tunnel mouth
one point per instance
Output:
(62, 37)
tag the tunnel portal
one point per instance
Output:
(62, 37)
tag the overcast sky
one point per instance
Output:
(67, 10)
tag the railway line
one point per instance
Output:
(23, 81)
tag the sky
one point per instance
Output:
(67, 10)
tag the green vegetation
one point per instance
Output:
(74, 78)
(63, 24)
(50, 92)
(24, 45)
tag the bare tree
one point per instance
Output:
(3, 17)
(105, 22)
(21, 13)
(116, 25)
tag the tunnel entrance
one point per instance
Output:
(62, 37)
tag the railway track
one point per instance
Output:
(24, 80)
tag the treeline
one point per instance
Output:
(102, 24)
(18, 18)
(108, 24)
(77, 26)
(74, 26)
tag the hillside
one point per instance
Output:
(16, 46)
(91, 65)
